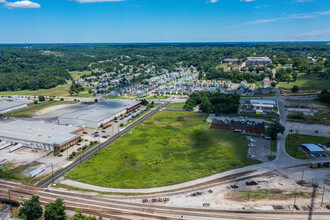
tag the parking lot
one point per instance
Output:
(21, 156)
(260, 149)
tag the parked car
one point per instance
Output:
(85, 132)
(78, 149)
(251, 156)
(103, 131)
(104, 136)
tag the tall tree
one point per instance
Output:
(274, 129)
(55, 210)
(31, 209)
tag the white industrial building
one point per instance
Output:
(11, 104)
(39, 135)
(101, 113)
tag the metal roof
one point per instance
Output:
(37, 131)
(262, 101)
(312, 147)
(7, 103)
(101, 110)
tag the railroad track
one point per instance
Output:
(92, 152)
(103, 206)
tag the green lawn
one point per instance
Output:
(56, 91)
(158, 97)
(307, 82)
(77, 74)
(176, 105)
(293, 142)
(166, 149)
(30, 110)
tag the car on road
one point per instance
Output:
(251, 156)
(251, 145)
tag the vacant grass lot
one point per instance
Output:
(166, 149)
(77, 74)
(307, 82)
(56, 91)
(28, 112)
(177, 106)
(293, 142)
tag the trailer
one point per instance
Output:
(318, 164)
(35, 172)
(16, 147)
(5, 145)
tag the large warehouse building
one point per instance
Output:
(11, 104)
(40, 135)
(101, 113)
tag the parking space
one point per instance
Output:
(259, 149)
(4, 212)
(21, 156)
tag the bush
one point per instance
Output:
(61, 99)
(295, 88)
(56, 153)
(74, 153)
(121, 125)
(296, 116)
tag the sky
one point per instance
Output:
(135, 21)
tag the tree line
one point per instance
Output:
(213, 102)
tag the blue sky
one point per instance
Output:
(107, 21)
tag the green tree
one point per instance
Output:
(79, 216)
(41, 98)
(31, 209)
(274, 129)
(55, 210)
(295, 88)
(273, 84)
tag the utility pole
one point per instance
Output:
(52, 174)
(10, 203)
(294, 201)
(302, 177)
(322, 196)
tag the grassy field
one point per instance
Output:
(166, 149)
(77, 74)
(28, 112)
(293, 142)
(7, 173)
(177, 105)
(157, 97)
(307, 82)
(56, 91)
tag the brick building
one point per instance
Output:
(239, 126)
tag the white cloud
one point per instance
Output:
(314, 33)
(214, 1)
(303, 1)
(92, 1)
(293, 16)
(20, 4)
(247, 0)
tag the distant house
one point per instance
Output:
(266, 82)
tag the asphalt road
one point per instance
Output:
(4, 211)
(92, 152)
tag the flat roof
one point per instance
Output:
(101, 110)
(262, 101)
(312, 147)
(6, 103)
(239, 122)
(37, 131)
